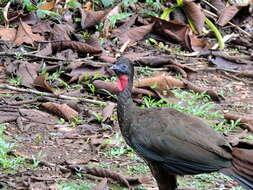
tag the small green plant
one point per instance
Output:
(92, 88)
(150, 102)
(146, 71)
(154, 4)
(120, 16)
(8, 161)
(16, 81)
(27, 4)
(80, 185)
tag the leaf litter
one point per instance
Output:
(68, 53)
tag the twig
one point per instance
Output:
(5, 86)
(31, 55)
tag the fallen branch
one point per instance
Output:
(5, 86)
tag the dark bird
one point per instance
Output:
(174, 143)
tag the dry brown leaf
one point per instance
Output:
(174, 30)
(62, 110)
(62, 32)
(27, 72)
(195, 14)
(227, 14)
(159, 82)
(245, 119)
(25, 35)
(47, 5)
(40, 81)
(136, 33)
(80, 47)
(91, 18)
(8, 33)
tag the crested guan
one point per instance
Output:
(174, 143)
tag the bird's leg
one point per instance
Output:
(165, 181)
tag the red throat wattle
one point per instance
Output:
(122, 82)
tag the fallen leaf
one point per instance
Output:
(27, 72)
(107, 111)
(62, 32)
(62, 110)
(40, 81)
(124, 27)
(218, 4)
(8, 33)
(176, 31)
(91, 18)
(160, 82)
(42, 27)
(227, 14)
(195, 14)
(25, 35)
(136, 33)
(80, 47)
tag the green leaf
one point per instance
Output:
(120, 16)
(166, 13)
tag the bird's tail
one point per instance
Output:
(242, 167)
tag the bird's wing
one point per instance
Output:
(181, 143)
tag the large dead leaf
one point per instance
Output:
(218, 4)
(195, 14)
(8, 33)
(62, 32)
(27, 72)
(160, 82)
(80, 47)
(227, 14)
(124, 27)
(91, 18)
(25, 35)
(62, 110)
(136, 33)
(174, 30)
(42, 27)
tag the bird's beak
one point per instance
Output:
(115, 68)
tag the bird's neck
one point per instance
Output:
(125, 107)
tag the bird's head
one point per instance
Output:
(123, 68)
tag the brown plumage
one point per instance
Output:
(174, 143)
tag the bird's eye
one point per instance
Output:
(124, 67)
